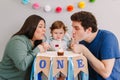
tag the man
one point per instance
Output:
(100, 47)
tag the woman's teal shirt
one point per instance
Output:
(18, 56)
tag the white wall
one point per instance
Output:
(13, 14)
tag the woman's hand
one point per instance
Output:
(41, 48)
(45, 45)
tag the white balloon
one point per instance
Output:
(47, 8)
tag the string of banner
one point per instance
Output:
(58, 9)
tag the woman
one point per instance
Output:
(22, 48)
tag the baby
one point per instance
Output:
(58, 38)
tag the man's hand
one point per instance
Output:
(78, 48)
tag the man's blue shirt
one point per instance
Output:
(104, 46)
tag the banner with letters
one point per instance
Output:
(69, 66)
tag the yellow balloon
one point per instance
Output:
(81, 4)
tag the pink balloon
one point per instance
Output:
(36, 5)
(58, 9)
